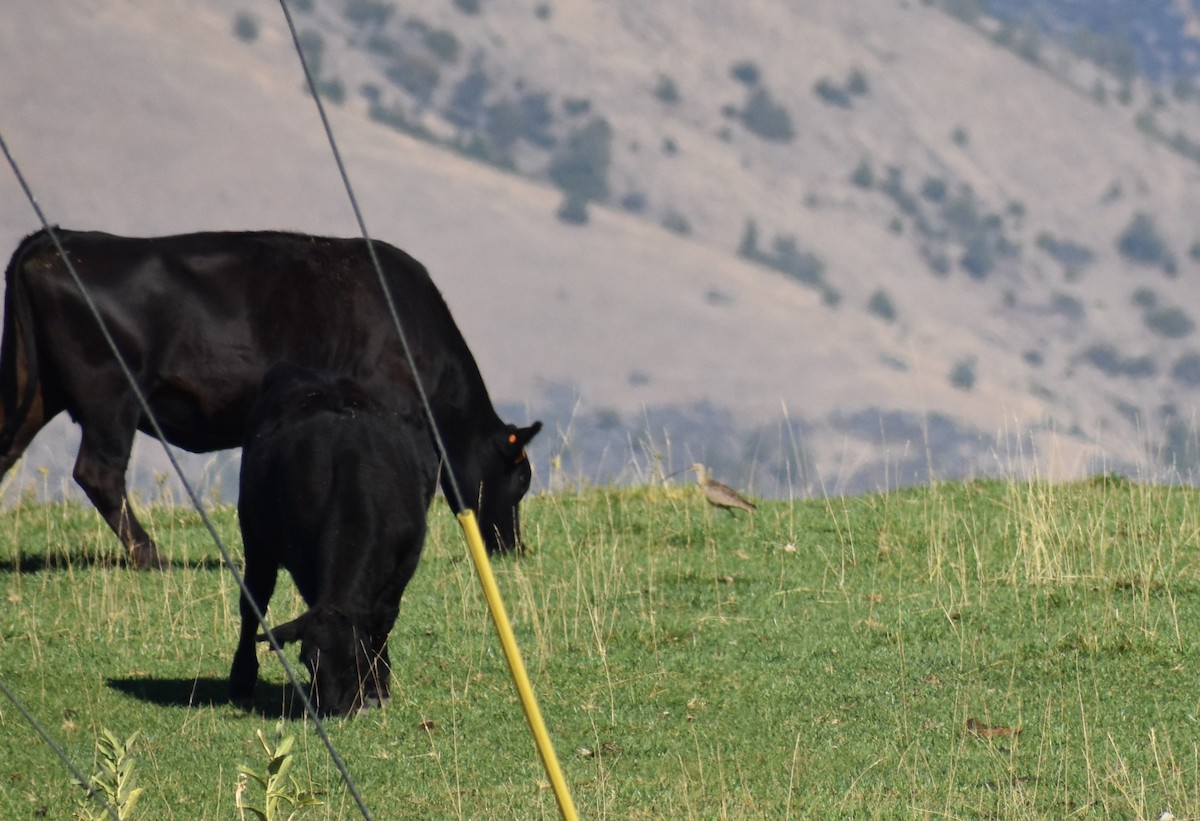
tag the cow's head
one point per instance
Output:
(494, 479)
(347, 663)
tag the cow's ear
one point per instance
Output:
(514, 440)
(290, 632)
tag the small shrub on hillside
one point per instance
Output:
(1108, 360)
(863, 175)
(1186, 370)
(843, 95)
(368, 12)
(969, 11)
(332, 89)
(503, 125)
(787, 258)
(978, 257)
(469, 7)
(1072, 256)
(382, 45)
(537, 119)
(395, 117)
(856, 83)
(634, 202)
(1145, 298)
(832, 93)
(312, 46)
(766, 118)
(1172, 323)
(465, 109)
(580, 168)
(934, 189)
(371, 93)
(745, 72)
(1024, 40)
(893, 188)
(748, 247)
(962, 375)
(799, 264)
(980, 234)
(1067, 306)
(1141, 243)
(676, 223)
(1181, 445)
(881, 305)
(576, 106)
(573, 210)
(666, 90)
(416, 74)
(245, 27)
(937, 261)
(718, 298)
(442, 43)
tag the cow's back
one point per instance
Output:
(201, 317)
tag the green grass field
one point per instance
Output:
(962, 650)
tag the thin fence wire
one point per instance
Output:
(456, 497)
(479, 557)
(58, 751)
(150, 416)
(453, 486)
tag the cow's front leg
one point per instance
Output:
(243, 674)
(381, 670)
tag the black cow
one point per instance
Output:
(200, 318)
(334, 487)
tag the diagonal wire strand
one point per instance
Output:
(466, 517)
(456, 497)
(58, 751)
(191, 493)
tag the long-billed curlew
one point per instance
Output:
(719, 495)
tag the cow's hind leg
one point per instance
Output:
(100, 471)
(243, 674)
(13, 442)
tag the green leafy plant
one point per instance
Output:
(113, 781)
(283, 796)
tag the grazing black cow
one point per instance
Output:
(200, 318)
(334, 487)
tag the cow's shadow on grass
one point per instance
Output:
(271, 699)
(43, 562)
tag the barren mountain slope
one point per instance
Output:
(151, 117)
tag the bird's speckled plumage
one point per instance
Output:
(719, 495)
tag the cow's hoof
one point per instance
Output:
(241, 693)
(145, 557)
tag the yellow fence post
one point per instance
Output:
(515, 665)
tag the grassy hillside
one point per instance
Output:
(988, 648)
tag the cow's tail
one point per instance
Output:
(18, 347)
